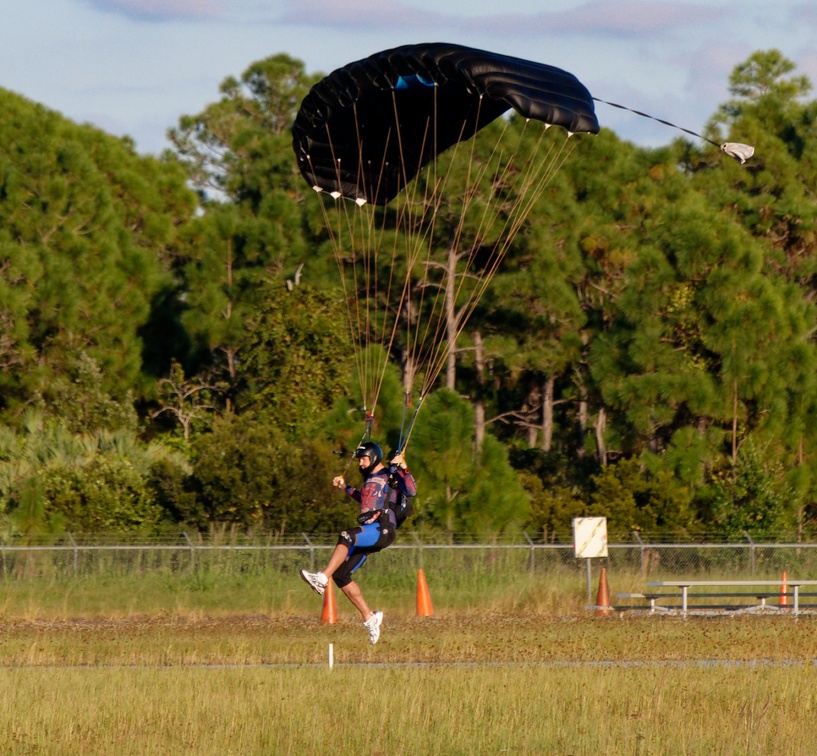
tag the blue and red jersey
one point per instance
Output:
(376, 493)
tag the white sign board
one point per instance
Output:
(590, 537)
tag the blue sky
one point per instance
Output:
(134, 66)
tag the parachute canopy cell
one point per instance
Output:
(367, 129)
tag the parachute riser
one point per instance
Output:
(404, 437)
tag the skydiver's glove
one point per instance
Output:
(397, 463)
(394, 478)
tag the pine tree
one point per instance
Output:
(84, 224)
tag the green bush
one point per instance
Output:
(107, 493)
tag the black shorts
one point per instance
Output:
(362, 541)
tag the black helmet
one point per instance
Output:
(371, 450)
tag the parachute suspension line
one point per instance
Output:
(447, 290)
(358, 222)
(355, 319)
(741, 152)
(385, 333)
(352, 304)
(419, 208)
(335, 235)
(406, 405)
(537, 177)
(444, 316)
(526, 188)
(366, 242)
(417, 229)
(354, 222)
(366, 436)
(370, 250)
(533, 185)
(532, 189)
(419, 240)
(404, 439)
(405, 247)
(488, 219)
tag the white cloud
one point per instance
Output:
(628, 18)
(159, 10)
(360, 15)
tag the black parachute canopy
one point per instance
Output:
(366, 129)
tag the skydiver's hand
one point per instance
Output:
(398, 461)
(339, 482)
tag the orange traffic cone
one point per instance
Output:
(783, 603)
(424, 607)
(329, 613)
(603, 607)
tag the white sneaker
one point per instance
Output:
(373, 626)
(316, 580)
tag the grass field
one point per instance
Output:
(513, 664)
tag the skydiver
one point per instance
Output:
(384, 492)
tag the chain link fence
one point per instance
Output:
(74, 556)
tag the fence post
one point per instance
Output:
(76, 555)
(751, 552)
(311, 552)
(643, 554)
(192, 550)
(532, 564)
(419, 550)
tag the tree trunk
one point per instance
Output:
(529, 410)
(229, 350)
(735, 420)
(582, 421)
(451, 318)
(409, 370)
(601, 427)
(479, 403)
(547, 413)
(801, 513)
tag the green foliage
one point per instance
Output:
(237, 469)
(348, 421)
(750, 495)
(84, 223)
(238, 151)
(30, 514)
(765, 76)
(632, 498)
(189, 402)
(552, 508)
(296, 360)
(106, 494)
(173, 490)
(249, 473)
(53, 479)
(651, 325)
(78, 400)
(495, 500)
(458, 488)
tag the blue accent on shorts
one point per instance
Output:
(369, 535)
(361, 560)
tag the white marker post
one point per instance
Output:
(331, 656)
(589, 542)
